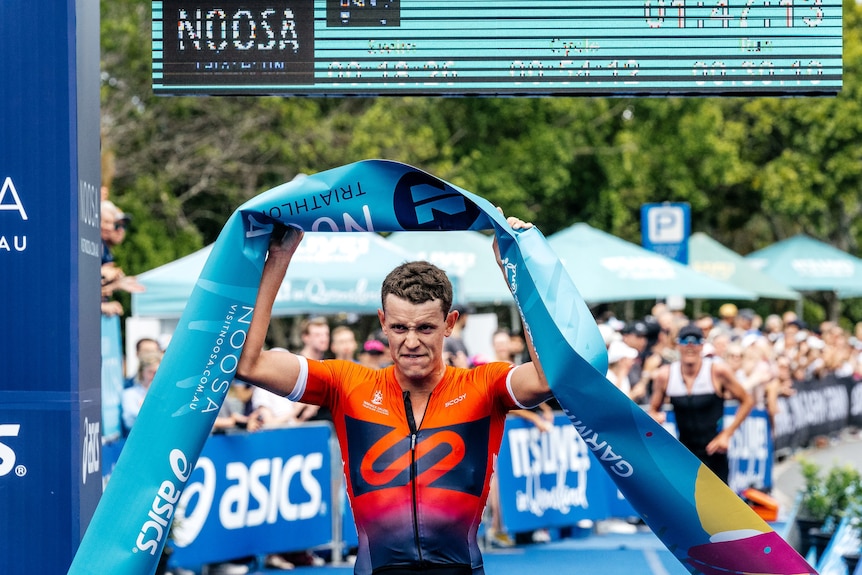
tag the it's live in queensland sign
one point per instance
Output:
(499, 47)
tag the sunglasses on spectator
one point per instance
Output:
(690, 340)
(120, 226)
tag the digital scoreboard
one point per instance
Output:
(497, 47)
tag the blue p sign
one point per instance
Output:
(665, 229)
(666, 224)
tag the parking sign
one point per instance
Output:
(665, 229)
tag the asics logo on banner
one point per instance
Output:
(159, 517)
(422, 202)
(92, 447)
(452, 457)
(7, 455)
(263, 491)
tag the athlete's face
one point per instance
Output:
(416, 334)
(690, 349)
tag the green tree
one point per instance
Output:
(755, 170)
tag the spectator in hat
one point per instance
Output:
(373, 354)
(621, 358)
(793, 333)
(696, 387)
(747, 323)
(727, 316)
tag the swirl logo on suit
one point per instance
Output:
(442, 458)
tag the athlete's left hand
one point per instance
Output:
(719, 443)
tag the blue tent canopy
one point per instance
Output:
(606, 268)
(331, 272)
(806, 264)
(710, 257)
(466, 256)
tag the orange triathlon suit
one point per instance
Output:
(417, 491)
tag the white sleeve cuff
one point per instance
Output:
(509, 387)
(301, 380)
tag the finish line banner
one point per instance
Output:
(707, 526)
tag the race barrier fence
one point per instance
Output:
(819, 407)
(281, 490)
(252, 494)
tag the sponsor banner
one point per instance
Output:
(112, 378)
(549, 479)
(751, 449)
(697, 517)
(255, 493)
(854, 419)
(34, 479)
(49, 239)
(818, 407)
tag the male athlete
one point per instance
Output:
(697, 387)
(418, 438)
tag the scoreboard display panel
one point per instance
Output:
(497, 47)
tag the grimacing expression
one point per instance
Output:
(416, 334)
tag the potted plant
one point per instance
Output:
(825, 498)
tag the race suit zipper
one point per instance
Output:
(411, 421)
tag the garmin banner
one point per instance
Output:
(705, 524)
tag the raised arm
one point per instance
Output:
(276, 371)
(731, 385)
(528, 380)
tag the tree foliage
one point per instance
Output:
(755, 170)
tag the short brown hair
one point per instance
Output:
(305, 325)
(418, 282)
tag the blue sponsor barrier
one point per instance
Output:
(549, 479)
(751, 451)
(256, 493)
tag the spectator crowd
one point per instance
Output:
(768, 355)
